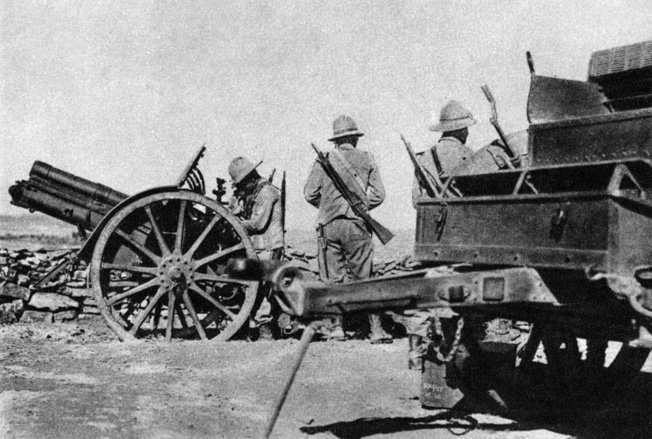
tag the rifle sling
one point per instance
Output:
(435, 158)
(347, 166)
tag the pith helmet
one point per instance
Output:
(240, 167)
(453, 116)
(344, 126)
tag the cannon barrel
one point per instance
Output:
(98, 192)
(64, 196)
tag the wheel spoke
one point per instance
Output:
(148, 309)
(219, 255)
(131, 268)
(193, 314)
(155, 258)
(196, 288)
(171, 304)
(122, 283)
(157, 231)
(203, 236)
(131, 292)
(178, 240)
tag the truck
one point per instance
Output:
(559, 243)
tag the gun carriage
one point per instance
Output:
(560, 240)
(158, 258)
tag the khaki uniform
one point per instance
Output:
(452, 154)
(262, 215)
(347, 239)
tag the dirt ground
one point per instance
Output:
(78, 381)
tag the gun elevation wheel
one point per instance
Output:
(158, 269)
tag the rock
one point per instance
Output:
(89, 310)
(32, 261)
(10, 312)
(52, 301)
(298, 253)
(80, 275)
(65, 316)
(30, 316)
(313, 266)
(23, 280)
(77, 292)
(14, 291)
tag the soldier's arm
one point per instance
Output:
(312, 189)
(376, 190)
(261, 212)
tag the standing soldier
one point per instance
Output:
(346, 249)
(441, 160)
(451, 150)
(262, 219)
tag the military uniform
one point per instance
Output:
(346, 251)
(262, 219)
(446, 158)
(450, 154)
(348, 239)
(262, 210)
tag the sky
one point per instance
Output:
(123, 92)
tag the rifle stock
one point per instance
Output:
(494, 121)
(424, 181)
(383, 233)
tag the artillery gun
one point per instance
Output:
(158, 258)
(561, 242)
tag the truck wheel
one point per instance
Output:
(158, 269)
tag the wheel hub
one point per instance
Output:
(175, 273)
(175, 268)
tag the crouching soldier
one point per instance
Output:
(261, 213)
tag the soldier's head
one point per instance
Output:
(345, 131)
(243, 173)
(454, 121)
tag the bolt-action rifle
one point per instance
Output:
(494, 121)
(434, 186)
(425, 182)
(359, 206)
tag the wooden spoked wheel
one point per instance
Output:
(159, 269)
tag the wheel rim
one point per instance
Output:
(158, 269)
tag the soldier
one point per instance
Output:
(346, 249)
(451, 151)
(442, 159)
(262, 219)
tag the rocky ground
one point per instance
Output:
(75, 380)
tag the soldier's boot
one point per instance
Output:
(415, 354)
(378, 334)
(332, 329)
(265, 332)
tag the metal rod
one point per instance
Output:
(306, 338)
